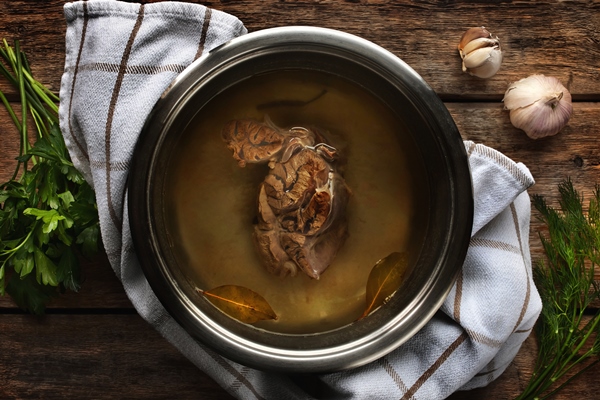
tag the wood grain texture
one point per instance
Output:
(121, 356)
(93, 345)
(94, 356)
(559, 38)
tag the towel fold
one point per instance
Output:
(120, 57)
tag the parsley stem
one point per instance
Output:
(9, 56)
(38, 96)
(12, 251)
(24, 138)
(10, 110)
(17, 123)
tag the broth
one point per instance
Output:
(214, 200)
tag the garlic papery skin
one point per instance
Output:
(470, 35)
(480, 52)
(539, 105)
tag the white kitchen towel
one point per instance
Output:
(121, 56)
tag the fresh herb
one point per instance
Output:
(48, 213)
(568, 338)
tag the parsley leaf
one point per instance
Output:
(48, 212)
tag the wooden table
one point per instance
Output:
(92, 344)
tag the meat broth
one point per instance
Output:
(215, 200)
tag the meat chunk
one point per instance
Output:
(302, 200)
(252, 142)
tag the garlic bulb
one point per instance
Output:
(480, 52)
(539, 105)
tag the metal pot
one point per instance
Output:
(450, 198)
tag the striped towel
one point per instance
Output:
(120, 58)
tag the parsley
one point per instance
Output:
(48, 212)
(568, 341)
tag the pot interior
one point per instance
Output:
(212, 210)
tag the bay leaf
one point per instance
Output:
(384, 279)
(240, 303)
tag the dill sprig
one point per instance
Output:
(568, 342)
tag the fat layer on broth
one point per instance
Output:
(215, 200)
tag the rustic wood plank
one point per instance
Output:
(94, 356)
(108, 356)
(550, 37)
(425, 35)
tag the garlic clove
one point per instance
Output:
(480, 43)
(472, 34)
(480, 52)
(490, 67)
(483, 63)
(539, 105)
(477, 57)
